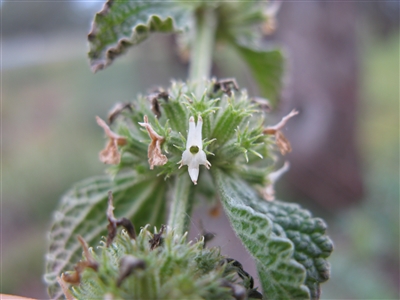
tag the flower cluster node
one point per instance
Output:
(110, 154)
(194, 155)
(156, 158)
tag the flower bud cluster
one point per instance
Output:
(171, 129)
(159, 265)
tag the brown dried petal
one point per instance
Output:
(64, 287)
(264, 104)
(116, 111)
(156, 158)
(110, 154)
(226, 85)
(283, 143)
(72, 277)
(90, 262)
(114, 223)
(281, 124)
(280, 139)
(157, 238)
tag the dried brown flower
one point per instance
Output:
(226, 85)
(64, 287)
(113, 223)
(156, 158)
(117, 109)
(154, 97)
(90, 262)
(280, 139)
(110, 154)
(157, 238)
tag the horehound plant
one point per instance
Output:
(200, 138)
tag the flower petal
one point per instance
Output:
(156, 158)
(193, 173)
(191, 133)
(281, 141)
(194, 156)
(110, 154)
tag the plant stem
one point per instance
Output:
(202, 48)
(181, 205)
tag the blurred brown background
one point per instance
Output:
(343, 76)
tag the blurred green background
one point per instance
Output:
(50, 140)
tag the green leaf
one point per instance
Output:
(240, 21)
(312, 245)
(239, 24)
(122, 24)
(281, 276)
(83, 212)
(265, 227)
(267, 68)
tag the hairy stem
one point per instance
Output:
(202, 48)
(181, 205)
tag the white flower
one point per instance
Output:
(194, 156)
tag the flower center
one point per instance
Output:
(194, 149)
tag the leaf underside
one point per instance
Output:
(267, 67)
(83, 212)
(289, 246)
(121, 24)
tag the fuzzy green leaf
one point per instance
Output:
(121, 24)
(290, 247)
(267, 68)
(239, 25)
(83, 212)
(308, 234)
(281, 276)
